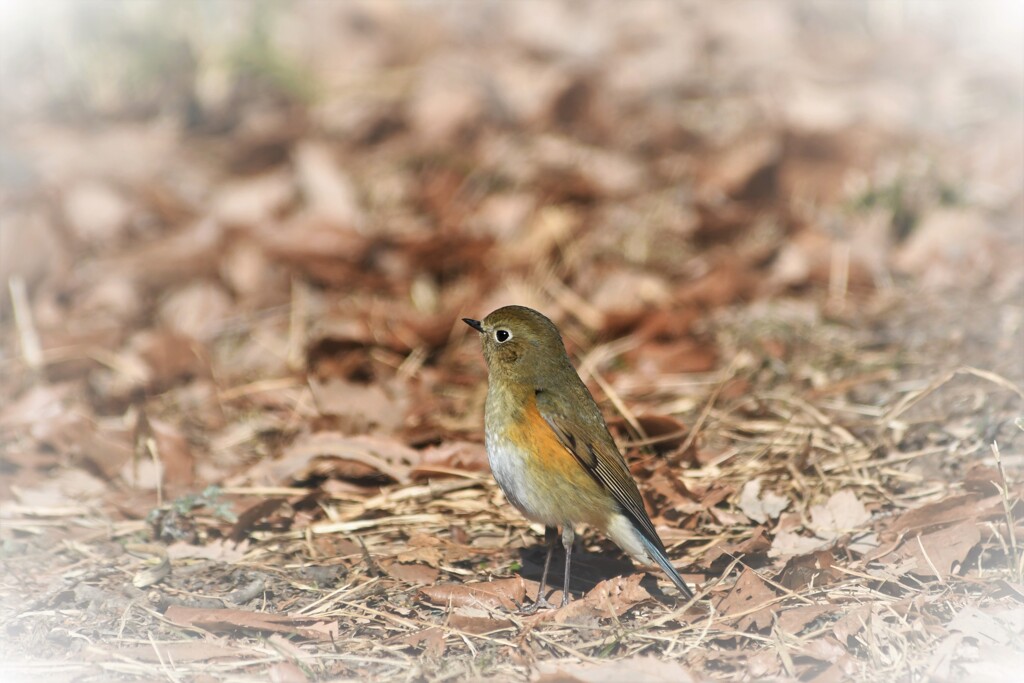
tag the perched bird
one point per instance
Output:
(549, 447)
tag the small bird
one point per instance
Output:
(549, 447)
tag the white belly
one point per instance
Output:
(508, 465)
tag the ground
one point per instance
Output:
(241, 419)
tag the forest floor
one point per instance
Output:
(241, 419)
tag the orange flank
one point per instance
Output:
(533, 433)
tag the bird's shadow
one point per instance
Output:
(588, 569)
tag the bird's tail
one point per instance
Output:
(659, 556)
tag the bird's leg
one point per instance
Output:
(551, 536)
(568, 535)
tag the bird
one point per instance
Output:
(549, 447)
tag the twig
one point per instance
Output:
(28, 337)
(1016, 565)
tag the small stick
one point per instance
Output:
(31, 349)
(1004, 493)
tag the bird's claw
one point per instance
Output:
(541, 601)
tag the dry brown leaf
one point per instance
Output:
(198, 310)
(321, 249)
(430, 639)
(168, 356)
(811, 570)
(504, 594)
(95, 212)
(220, 550)
(949, 245)
(1002, 626)
(30, 248)
(647, 669)
(824, 648)
(174, 452)
(476, 620)
(455, 455)
(189, 651)
(948, 511)
(328, 190)
(841, 514)
(411, 572)
(447, 101)
(380, 403)
(236, 621)
(758, 507)
(795, 619)
(366, 456)
(938, 554)
(742, 171)
(788, 544)
(610, 598)
(172, 258)
(252, 515)
(749, 602)
(286, 672)
(423, 548)
(251, 202)
(757, 542)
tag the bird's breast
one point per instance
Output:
(534, 469)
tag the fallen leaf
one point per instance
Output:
(745, 170)
(1002, 626)
(948, 246)
(938, 554)
(251, 516)
(466, 456)
(810, 570)
(610, 598)
(841, 514)
(370, 455)
(795, 619)
(503, 594)
(422, 548)
(756, 543)
(252, 201)
(749, 602)
(412, 572)
(823, 648)
(328, 191)
(431, 640)
(219, 550)
(95, 212)
(378, 403)
(30, 248)
(478, 621)
(761, 508)
(285, 672)
(647, 669)
(197, 310)
(948, 511)
(190, 651)
(447, 100)
(236, 621)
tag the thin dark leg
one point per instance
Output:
(568, 535)
(551, 536)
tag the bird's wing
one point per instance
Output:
(600, 457)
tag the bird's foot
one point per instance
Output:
(540, 602)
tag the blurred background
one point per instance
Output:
(213, 198)
(205, 203)
(237, 239)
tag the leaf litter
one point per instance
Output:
(240, 424)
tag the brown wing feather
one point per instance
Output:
(600, 457)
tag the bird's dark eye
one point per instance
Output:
(502, 335)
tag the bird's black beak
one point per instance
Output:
(475, 324)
